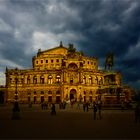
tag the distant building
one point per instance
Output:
(60, 74)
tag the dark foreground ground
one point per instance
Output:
(67, 124)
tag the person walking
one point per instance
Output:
(53, 111)
(99, 109)
(30, 104)
(78, 105)
(122, 105)
(137, 113)
(42, 105)
(94, 110)
(87, 104)
(84, 106)
(60, 105)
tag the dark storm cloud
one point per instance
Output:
(13, 50)
(110, 30)
(112, 26)
(94, 26)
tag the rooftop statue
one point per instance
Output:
(109, 62)
(71, 49)
(61, 44)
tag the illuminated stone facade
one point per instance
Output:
(60, 74)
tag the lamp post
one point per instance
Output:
(99, 97)
(16, 92)
(16, 110)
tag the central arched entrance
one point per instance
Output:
(72, 95)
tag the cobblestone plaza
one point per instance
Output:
(69, 123)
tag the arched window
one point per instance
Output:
(35, 80)
(71, 80)
(49, 79)
(72, 66)
(101, 81)
(16, 80)
(84, 79)
(58, 79)
(90, 80)
(42, 92)
(96, 79)
(58, 92)
(90, 93)
(84, 92)
(29, 96)
(50, 92)
(84, 96)
(90, 96)
(42, 79)
(28, 80)
(10, 80)
(22, 80)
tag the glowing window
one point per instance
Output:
(49, 79)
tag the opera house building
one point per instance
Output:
(64, 74)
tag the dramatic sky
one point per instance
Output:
(94, 26)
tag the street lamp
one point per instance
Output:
(99, 97)
(16, 110)
(16, 92)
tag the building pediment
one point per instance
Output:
(57, 50)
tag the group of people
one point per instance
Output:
(44, 105)
(62, 105)
(86, 106)
(96, 106)
(53, 110)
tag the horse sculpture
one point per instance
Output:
(109, 61)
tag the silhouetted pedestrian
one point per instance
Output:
(137, 113)
(72, 103)
(64, 104)
(53, 111)
(42, 105)
(30, 104)
(94, 110)
(84, 107)
(87, 104)
(16, 107)
(78, 105)
(122, 105)
(99, 105)
(60, 105)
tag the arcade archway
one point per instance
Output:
(72, 95)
